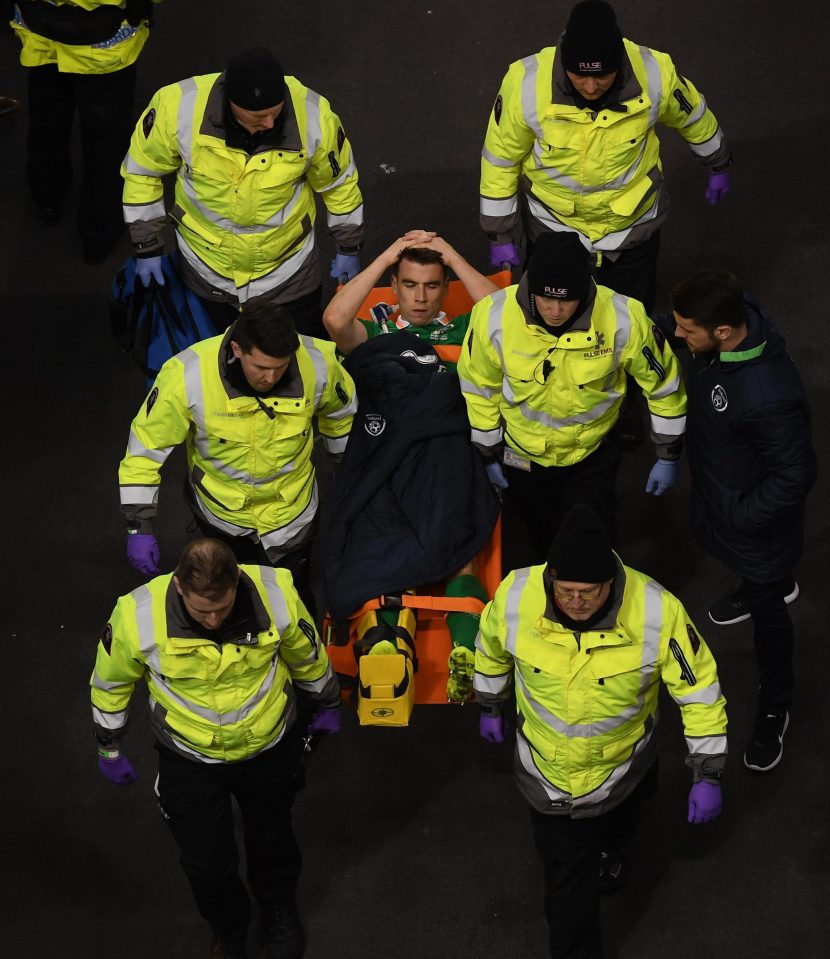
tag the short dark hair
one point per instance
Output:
(267, 327)
(423, 255)
(208, 568)
(710, 298)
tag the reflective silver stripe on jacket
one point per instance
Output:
(503, 207)
(607, 244)
(315, 686)
(313, 126)
(696, 114)
(277, 604)
(706, 745)
(273, 539)
(494, 324)
(545, 419)
(604, 790)
(184, 120)
(475, 390)
(321, 370)
(487, 437)
(528, 94)
(335, 445)
(497, 160)
(666, 389)
(136, 448)
(109, 721)
(350, 170)
(355, 218)
(708, 147)
(654, 84)
(491, 685)
(511, 610)
(525, 758)
(143, 211)
(280, 275)
(668, 426)
(139, 495)
(705, 697)
(131, 166)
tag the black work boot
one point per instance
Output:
(284, 937)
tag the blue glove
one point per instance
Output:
(491, 728)
(326, 721)
(143, 553)
(718, 186)
(149, 268)
(345, 264)
(496, 475)
(705, 802)
(118, 770)
(663, 477)
(501, 253)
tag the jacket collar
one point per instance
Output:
(236, 386)
(248, 619)
(215, 123)
(607, 623)
(582, 323)
(626, 88)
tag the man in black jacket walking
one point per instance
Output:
(752, 464)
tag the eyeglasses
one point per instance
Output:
(589, 594)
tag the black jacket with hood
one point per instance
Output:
(411, 502)
(750, 451)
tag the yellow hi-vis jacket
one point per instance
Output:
(248, 457)
(587, 702)
(552, 399)
(244, 223)
(210, 702)
(597, 173)
(106, 56)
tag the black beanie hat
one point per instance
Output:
(592, 43)
(254, 80)
(559, 267)
(581, 550)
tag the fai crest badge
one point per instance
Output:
(375, 424)
(719, 399)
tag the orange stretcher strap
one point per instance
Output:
(444, 604)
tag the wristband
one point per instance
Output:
(108, 753)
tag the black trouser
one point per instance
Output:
(634, 272)
(542, 497)
(307, 312)
(104, 103)
(570, 851)
(195, 799)
(773, 635)
(297, 562)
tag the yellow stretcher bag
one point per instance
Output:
(386, 683)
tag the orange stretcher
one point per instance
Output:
(428, 604)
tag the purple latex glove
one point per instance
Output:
(501, 253)
(345, 264)
(663, 477)
(149, 268)
(705, 802)
(119, 770)
(718, 186)
(496, 475)
(326, 721)
(491, 728)
(143, 553)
